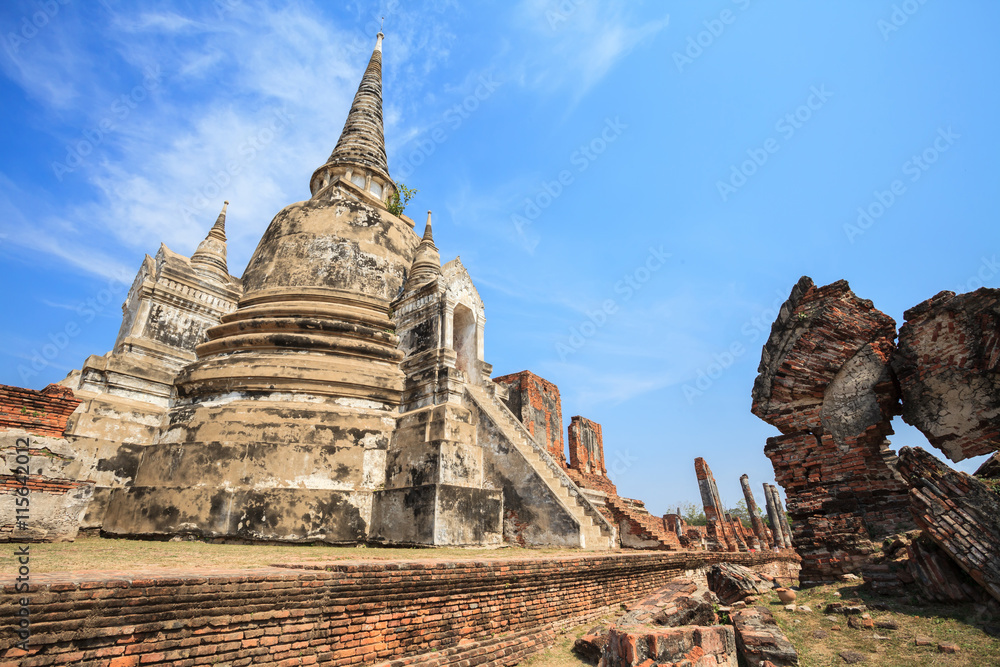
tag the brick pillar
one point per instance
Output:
(772, 515)
(718, 530)
(786, 529)
(755, 521)
(535, 401)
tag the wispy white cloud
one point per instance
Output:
(163, 22)
(576, 46)
(251, 100)
(206, 132)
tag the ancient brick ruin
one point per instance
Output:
(721, 533)
(781, 532)
(990, 469)
(831, 378)
(825, 383)
(535, 402)
(31, 427)
(679, 626)
(762, 538)
(309, 402)
(586, 447)
(337, 392)
(537, 405)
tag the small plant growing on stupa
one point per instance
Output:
(400, 198)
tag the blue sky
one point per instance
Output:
(633, 186)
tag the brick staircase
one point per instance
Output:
(648, 526)
(596, 532)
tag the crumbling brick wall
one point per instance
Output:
(824, 381)
(948, 366)
(535, 401)
(637, 527)
(586, 446)
(586, 456)
(990, 469)
(42, 412)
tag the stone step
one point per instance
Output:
(513, 429)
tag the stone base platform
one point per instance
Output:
(342, 613)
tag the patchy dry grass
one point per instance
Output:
(561, 653)
(100, 554)
(978, 636)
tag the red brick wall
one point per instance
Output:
(349, 613)
(40, 412)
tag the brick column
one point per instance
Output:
(755, 521)
(718, 528)
(775, 519)
(786, 529)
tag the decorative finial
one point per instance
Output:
(361, 146)
(219, 228)
(428, 234)
(209, 260)
(426, 261)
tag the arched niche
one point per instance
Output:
(464, 340)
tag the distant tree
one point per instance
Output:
(743, 513)
(693, 514)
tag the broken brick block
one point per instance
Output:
(948, 366)
(679, 602)
(958, 512)
(760, 640)
(689, 645)
(733, 583)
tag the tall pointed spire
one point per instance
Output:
(360, 153)
(427, 260)
(210, 258)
